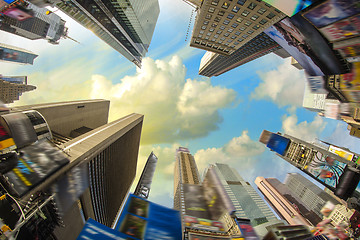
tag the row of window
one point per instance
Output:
(235, 9)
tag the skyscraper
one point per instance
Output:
(224, 26)
(102, 163)
(279, 203)
(247, 202)
(214, 64)
(11, 88)
(15, 54)
(333, 167)
(127, 26)
(44, 24)
(143, 187)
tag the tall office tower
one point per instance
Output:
(14, 54)
(333, 167)
(294, 200)
(280, 204)
(42, 25)
(11, 88)
(224, 26)
(143, 187)
(127, 26)
(185, 172)
(214, 64)
(247, 202)
(311, 195)
(102, 163)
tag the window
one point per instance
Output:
(239, 20)
(230, 16)
(240, 40)
(217, 19)
(221, 13)
(234, 25)
(256, 27)
(245, 13)
(214, 24)
(247, 23)
(206, 38)
(254, 17)
(208, 16)
(252, 6)
(211, 10)
(226, 22)
(250, 31)
(200, 36)
(233, 46)
(208, 34)
(233, 37)
(213, 40)
(230, 30)
(201, 32)
(219, 32)
(237, 33)
(268, 5)
(244, 36)
(261, 10)
(277, 10)
(263, 21)
(211, 29)
(242, 28)
(235, 9)
(206, 22)
(241, 2)
(203, 27)
(226, 34)
(270, 15)
(215, 2)
(225, 5)
(236, 43)
(227, 44)
(222, 27)
(222, 39)
(229, 41)
(216, 35)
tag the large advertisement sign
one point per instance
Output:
(290, 7)
(293, 42)
(195, 236)
(326, 169)
(195, 204)
(343, 29)
(332, 11)
(247, 230)
(142, 219)
(6, 142)
(96, 231)
(218, 201)
(278, 143)
(36, 162)
(341, 152)
(203, 224)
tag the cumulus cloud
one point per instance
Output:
(238, 152)
(174, 108)
(284, 86)
(306, 131)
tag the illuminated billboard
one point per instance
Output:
(278, 143)
(195, 236)
(326, 169)
(203, 224)
(290, 7)
(341, 152)
(143, 219)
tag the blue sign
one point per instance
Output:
(142, 219)
(278, 143)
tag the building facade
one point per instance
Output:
(247, 202)
(280, 204)
(101, 168)
(44, 24)
(14, 54)
(214, 64)
(143, 187)
(224, 26)
(11, 90)
(127, 26)
(338, 172)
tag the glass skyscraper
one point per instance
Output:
(127, 26)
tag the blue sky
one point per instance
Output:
(218, 119)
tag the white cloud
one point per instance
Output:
(306, 131)
(284, 86)
(238, 152)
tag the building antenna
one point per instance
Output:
(72, 39)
